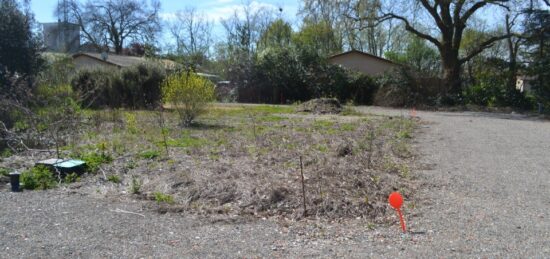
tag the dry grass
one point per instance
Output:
(244, 160)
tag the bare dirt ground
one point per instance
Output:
(486, 194)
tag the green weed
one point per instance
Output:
(72, 178)
(149, 154)
(163, 198)
(348, 126)
(114, 179)
(135, 186)
(131, 123)
(94, 160)
(403, 134)
(187, 141)
(322, 148)
(4, 171)
(39, 177)
(5, 153)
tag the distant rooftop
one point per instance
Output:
(125, 61)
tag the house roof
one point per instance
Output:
(112, 59)
(125, 61)
(364, 54)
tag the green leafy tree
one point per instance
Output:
(19, 50)
(277, 35)
(538, 39)
(318, 36)
(448, 21)
(418, 55)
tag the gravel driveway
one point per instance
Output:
(487, 194)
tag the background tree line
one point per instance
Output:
(273, 59)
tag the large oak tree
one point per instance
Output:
(450, 18)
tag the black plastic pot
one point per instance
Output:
(14, 180)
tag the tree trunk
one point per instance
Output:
(451, 72)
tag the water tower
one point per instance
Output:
(61, 36)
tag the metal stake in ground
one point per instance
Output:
(303, 187)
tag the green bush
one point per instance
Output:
(493, 90)
(95, 88)
(396, 90)
(189, 94)
(282, 75)
(139, 86)
(132, 87)
(361, 89)
(39, 177)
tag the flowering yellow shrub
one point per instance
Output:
(188, 93)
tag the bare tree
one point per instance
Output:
(113, 22)
(360, 34)
(192, 33)
(451, 19)
(245, 27)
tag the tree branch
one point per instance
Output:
(409, 28)
(479, 5)
(484, 45)
(433, 12)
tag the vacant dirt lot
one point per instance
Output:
(485, 194)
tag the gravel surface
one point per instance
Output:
(486, 194)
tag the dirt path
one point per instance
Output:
(489, 196)
(492, 185)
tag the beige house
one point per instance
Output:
(363, 62)
(89, 60)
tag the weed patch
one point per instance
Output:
(163, 198)
(149, 154)
(114, 179)
(94, 160)
(39, 178)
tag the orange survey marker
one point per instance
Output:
(396, 201)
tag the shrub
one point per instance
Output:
(139, 86)
(39, 177)
(132, 87)
(396, 90)
(189, 94)
(361, 89)
(95, 87)
(492, 89)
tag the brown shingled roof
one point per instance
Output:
(125, 61)
(365, 54)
